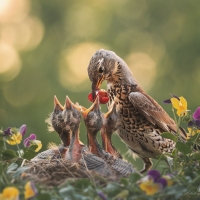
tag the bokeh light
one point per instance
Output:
(143, 68)
(13, 11)
(74, 63)
(10, 62)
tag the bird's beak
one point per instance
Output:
(68, 104)
(111, 111)
(96, 85)
(93, 107)
(57, 106)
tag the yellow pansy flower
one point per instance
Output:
(10, 193)
(150, 187)
(16, 138)
(168, 179)
(39, 144)
(179, 104)
(192, 132)
(30, 190)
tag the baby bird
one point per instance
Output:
(94, 122)
(110, 124)
(57, 122)
(78, 153)
(72, 119)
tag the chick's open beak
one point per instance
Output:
(93, 107)
(57, 106)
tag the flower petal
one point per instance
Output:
(162, 181)
(32, 136)
(183, 102)
(39, 144)
(22, 129)
(27, 142)
(8, 131)
(15, 139)
(154, 173)
(196, 114)
(175, 103)
(168, 101)
(10, 193)
(150, 187)
(191, 123)
(102, 195)
(197, 122)
(30, 190)
(173, 95)
(168, 179)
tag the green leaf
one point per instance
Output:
(44, 196)
(20, 170)
(1, 144)
(169, 136)
(134, 177)
(1, 167)
(29, 154)
(69, 190)
(33, 147)
(82, 183)
(183, 148)
(12, 167)
(196, 156)
(9, 154)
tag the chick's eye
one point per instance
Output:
(101, 69)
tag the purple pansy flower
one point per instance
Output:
(8, 131)
(102, 195)
(155, 174)
(27, 141)
(162, 181)
(22, 129)
(196, 114)
(196, 117)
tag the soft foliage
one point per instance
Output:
(178, 181)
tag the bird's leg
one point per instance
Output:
(147, 165)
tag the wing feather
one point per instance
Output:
(154, 113)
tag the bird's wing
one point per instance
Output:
(153, 112)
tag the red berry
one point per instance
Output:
(103, 96)
(104, 100)
(90, 97)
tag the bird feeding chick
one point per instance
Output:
(141, 118)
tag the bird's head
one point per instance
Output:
(56, 116)
(106, 65)
(93, 117)
(71, 114)
(110, 119)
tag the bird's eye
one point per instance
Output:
(101, 69)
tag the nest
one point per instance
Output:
(55, 172)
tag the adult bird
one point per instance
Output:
(142, 119)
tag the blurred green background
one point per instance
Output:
(45, 48)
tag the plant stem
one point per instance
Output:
(6, 180)
(4, 142)
(196, 140)
(158, 161)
